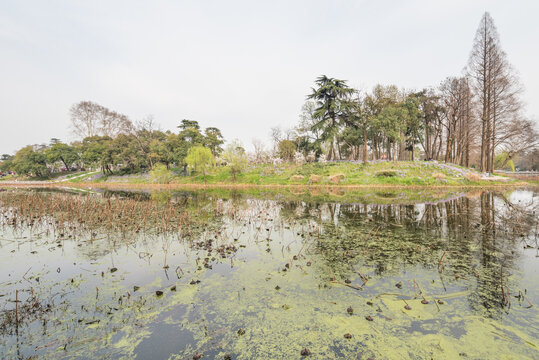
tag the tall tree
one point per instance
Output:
(456, 95)
(383, 116)
(91, 119)
(413, 133)
(496, 88)
(213, 140)
(330, 96)
(84, 118)
(359, 124)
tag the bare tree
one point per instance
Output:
(276, 135)
(457, 98)
(496, 87)
(433, 112)
(84, 118)
(516, 138)
(112, 123)
(259, 149)
(307, 121)
(90, 119)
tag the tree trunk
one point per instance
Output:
(365, 146)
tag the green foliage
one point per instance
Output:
(188, 124)
(6, 162)
(200, 159)
(98, 151)
(236, 159)
(127, 152)
(214, 140)
(287, 150)
(62, 152)
(413, 122)
(386, 173)
(30, 162)
(330, 96)
(161, 174)
(504, 161)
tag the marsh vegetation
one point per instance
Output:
(265, 275)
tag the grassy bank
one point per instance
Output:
(383, 174)
(402, 173)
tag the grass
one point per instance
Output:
(53, 176)
(400, 174)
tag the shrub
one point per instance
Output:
(386, 173)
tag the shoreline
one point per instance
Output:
(239, 186)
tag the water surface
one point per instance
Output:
(176, 275)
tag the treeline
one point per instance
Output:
(466, 120)
(113, 142)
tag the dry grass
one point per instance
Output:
(335, 179)
(473, 177)
(439, 176)
(314, 179)
(70, 214)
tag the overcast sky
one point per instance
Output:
(242, 66)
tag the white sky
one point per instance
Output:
(242, 66)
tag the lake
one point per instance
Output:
(288, 274)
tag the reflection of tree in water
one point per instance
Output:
(470, 239)
(498, 253)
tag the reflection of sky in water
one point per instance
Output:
(283, 309)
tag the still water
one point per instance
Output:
(186, 275)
